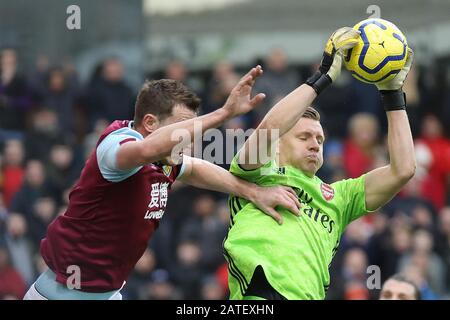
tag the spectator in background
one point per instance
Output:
(39, 263)
(19, 246)
(422, 218)
(411, 88)
(3, 211)
(35, 186)
(445, 104)
(12, 168)
(222, 74)
(222, 277)
(363, 97)
(443, 243)
(42, 135)
(340, 97)
(357, 234)
(161, 287)
(211, 289)
(209, 231)
(141, 277)
(223, 79)
(91, 139)
(59, 95)
(417, 276)
(176, 70)
(1, 166)
(428, 263)
(333, 167)
(44, 211)
(12, 285)
(278, 81)
(110, 96)
(361, 148)
(15, 97)
(62, 170)
(398, 287)
(390, 242)
(353, 278)
(433, 155)
(187, 276)
(39, 75)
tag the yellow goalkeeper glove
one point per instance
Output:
(330, 67)
(392, 95)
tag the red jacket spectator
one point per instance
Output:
(12, 170)
(433, 185)
(361, 147)
(11, 283)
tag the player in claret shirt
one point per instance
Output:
(123, 190)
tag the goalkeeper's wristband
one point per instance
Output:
(393, 100)
(318, 81)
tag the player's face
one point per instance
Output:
(179, 113)
(397, 290)
(302, 146)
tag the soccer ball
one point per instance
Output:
(379, 54)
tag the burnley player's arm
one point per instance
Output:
(203, 174)
(161, 143)
(382, 184)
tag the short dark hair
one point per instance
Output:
(402, 278)
(311, 113)
(158, 97)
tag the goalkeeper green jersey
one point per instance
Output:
(296, 255)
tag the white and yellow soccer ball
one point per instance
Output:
(380, 52)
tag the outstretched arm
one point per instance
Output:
(203, 174)
(161, 143)
(259, 148)
(382, 184)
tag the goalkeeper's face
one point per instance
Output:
(302, 146)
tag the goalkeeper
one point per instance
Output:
(291, 260)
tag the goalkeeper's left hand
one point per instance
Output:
(391, 91)
(330, 66)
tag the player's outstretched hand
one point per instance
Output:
(268, 198)
(397, 82)
(239, 101)
(330, 66)
(392, 96)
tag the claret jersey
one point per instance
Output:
(110, 217)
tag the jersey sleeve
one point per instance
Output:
(107, 154)
(181, 167)
(251, 175)
(352, 198)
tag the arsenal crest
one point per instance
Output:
(327, 191)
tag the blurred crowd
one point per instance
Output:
(50, 123)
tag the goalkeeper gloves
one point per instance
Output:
(330, 66)
(392, 95)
